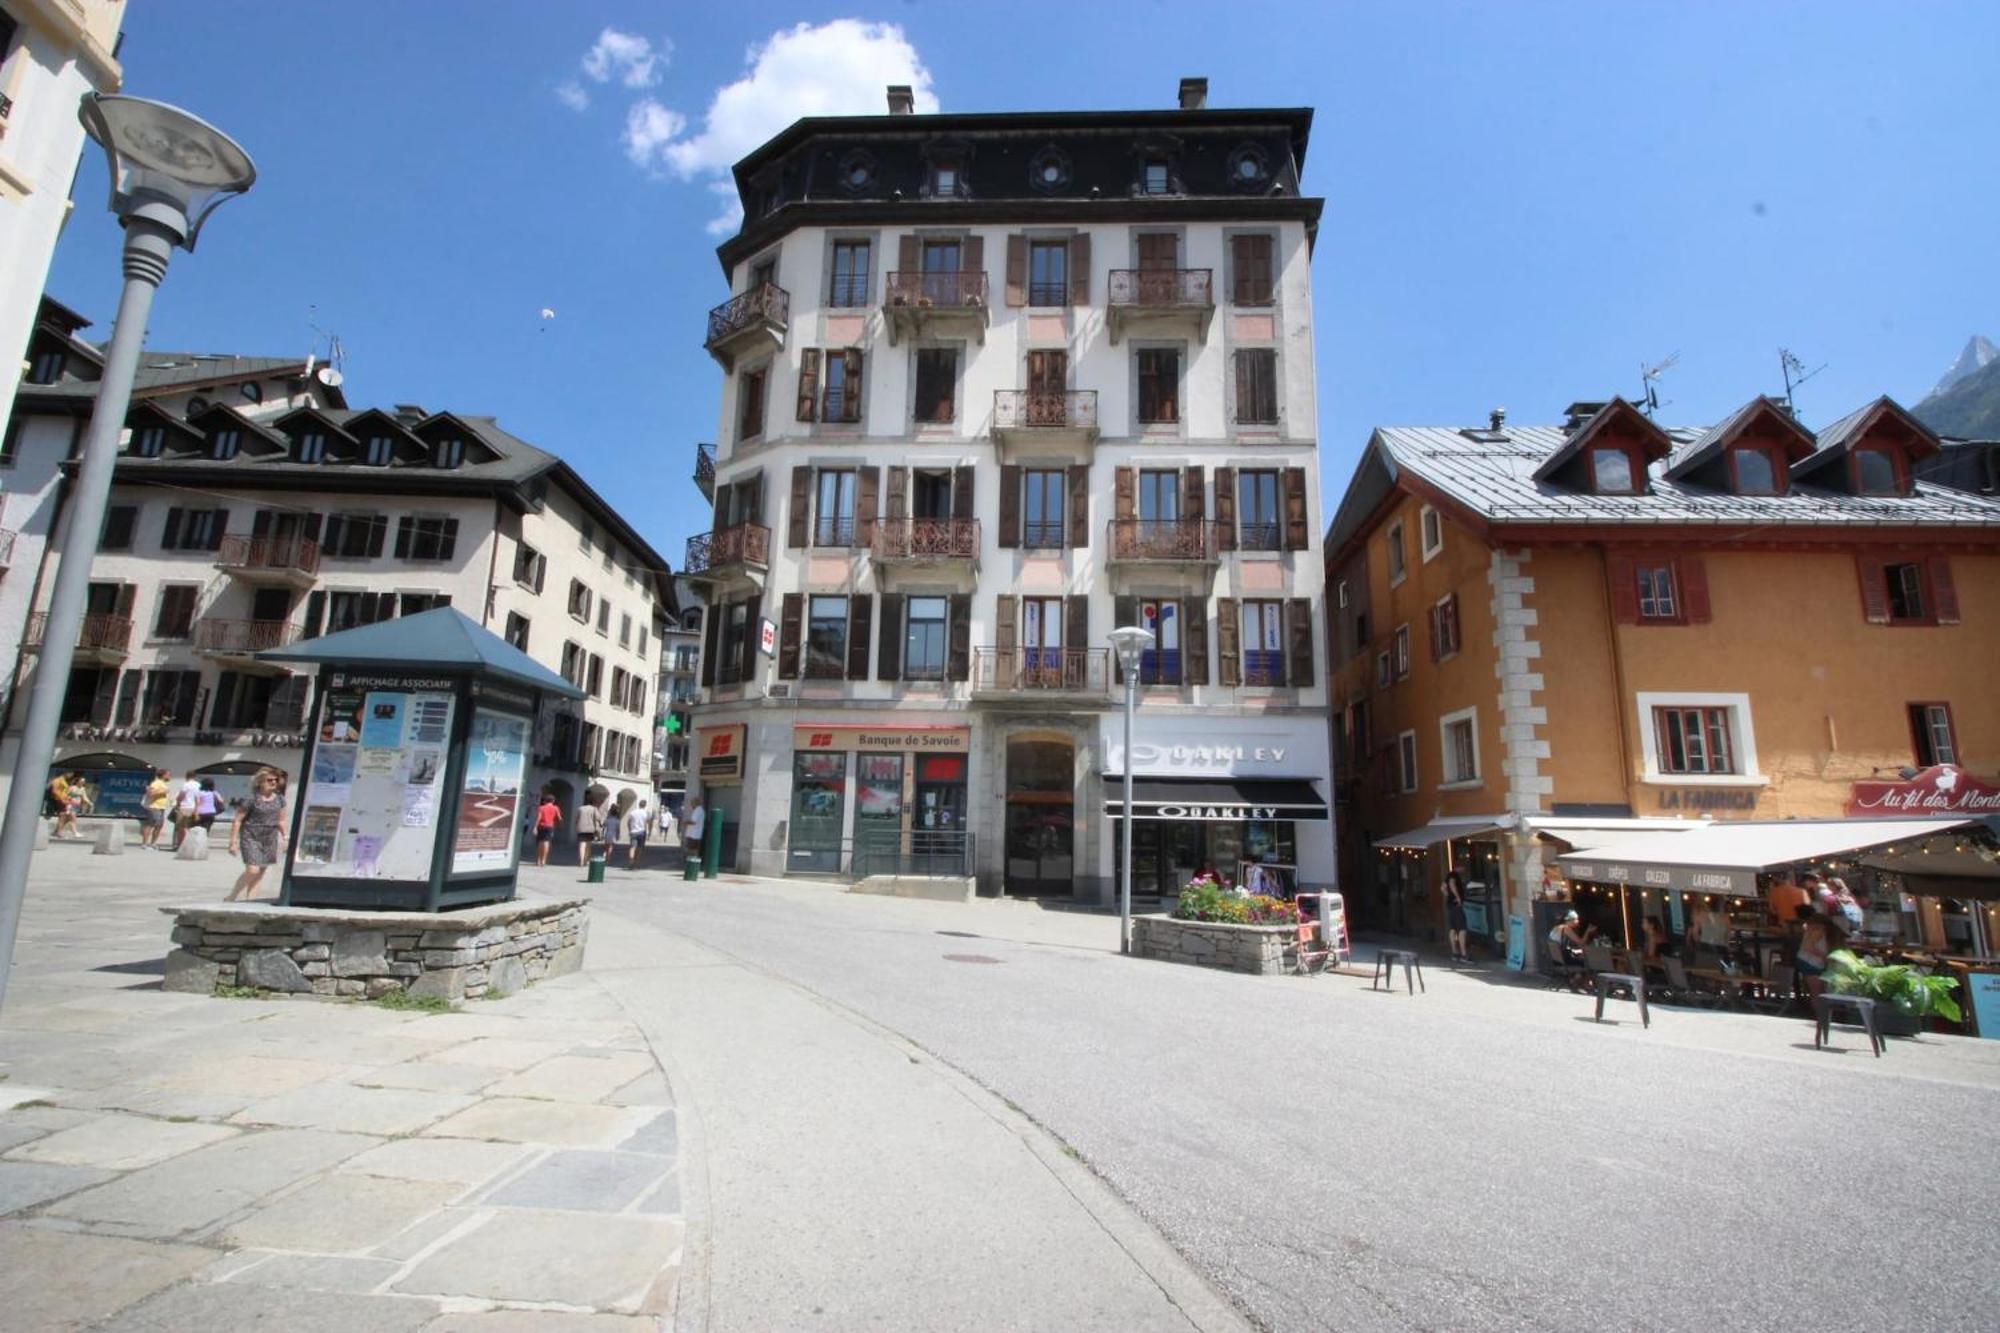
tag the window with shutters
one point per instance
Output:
(1930, 727)
(416, 603)
(1444, 626)
(170, 698)
(1907, 602)
(840, 390)
(426, 537)
(826, 638)
(579, 601)
(354, 536)
(572, 663)
(1257, 386)
(750, 403)
(175, 617)
(736, 629)
(347, 610)
(1042, 495)
(119, 522)
(937, 385)
(1385, 670)
(1048, 273)
(1263, 643)
(604, 616)
(1459, 735)
(1399, 560)
(531, 567)
(850, 286)
(833, 510)
(194, 529)
(1159, 385)
(517, 630)
(925, 637)
(930, 494)
(1250, 269)
(619, 680)
(1260, 521)
(1430, 533)
(1162, 663)
(1697, 738)
(1656, 591)
(1399, 647)
(1406, 761)
(379, 450)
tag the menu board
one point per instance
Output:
(371, 803)
(489, 812)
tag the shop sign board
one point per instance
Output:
(371, 800)
(1685, 879)
(1943, 789)
(1983, 990)
(767, 637)
(1218, 747)
(849, 736)
(721, 752)
(1210, 814)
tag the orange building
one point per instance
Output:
(1546, 637)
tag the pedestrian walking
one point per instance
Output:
(637, 822)
(589, 827)
(55, 803)
(1454, 912)
(153, 809)
(207, 805)
(547, 815)
(185, 805)
(693, 823)
(258, 834)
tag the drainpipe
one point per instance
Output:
(1617, 679)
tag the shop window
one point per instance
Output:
(1263, 643)
(1656, 592)
(1401, 643)
(1048, 273)
(937, 385)
(850, 285)
(1042, 526)
(924, 638)
(833, 515)
(750, 404)
(1399, 562)
(1930, 725)
(1159, 385)
(826, 638)
(1257, 387)
(1430, 532)
(1875, 473)
(1694, 740)
(1406, 761)
(1460, 736)
(1754, 472)
(1260, 525)
(1611, 472)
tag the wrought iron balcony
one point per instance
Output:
(1067, 414)
(924, 540)
(1148, 296)
(919, 304)
(1016, 672)
(102, 638)
(755, 320)
(726, 552)
(285, 560)
(704, 471)
(242, 638)
(1164, 540)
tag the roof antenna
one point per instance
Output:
(1795, 374)
(1649, 377)
(336, 355)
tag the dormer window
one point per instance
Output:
(1875, 473)
(1156, 178)
(149, 442)
(448, 453)
(944, 178)
(46, 368)
(380, 449)
(223, 445)
(312, 448)
(1754, 472)
(1611, 472)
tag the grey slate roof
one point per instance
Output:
(166, 372)
(442, 639)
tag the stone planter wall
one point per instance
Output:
(499, 947)
(1253, 949)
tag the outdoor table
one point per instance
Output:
(1733, 982)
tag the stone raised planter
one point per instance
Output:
(1254, 949)
(499, 947)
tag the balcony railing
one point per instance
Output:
(269, 555)
(927, 539)
(1165, 539)
(704, 471)
(945, 291)
(1065, 409)
(212, 635)
(1041, 670)
(101, 632)
(766, 303)
(1253, 536)
(744, 544)
(1162, 287)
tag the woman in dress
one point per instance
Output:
(589, 828)
(1454, 915)
(259, 831)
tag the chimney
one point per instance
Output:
(1194, 94)
(409, 413)
(1496, 419)
(902, 102)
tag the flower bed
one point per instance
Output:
(1207, 898)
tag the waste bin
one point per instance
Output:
(596, 875)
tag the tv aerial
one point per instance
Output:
(1649, 379)
(332, 373)
(1795, 373)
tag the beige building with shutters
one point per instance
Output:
(939, 487)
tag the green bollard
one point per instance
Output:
(596, 875)
(690, 862)
(711, 845)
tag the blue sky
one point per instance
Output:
(1524, 201)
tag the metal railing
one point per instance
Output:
(213, 635)
(927, 539)
(1260, 537)
(298, 555)
(1041, 670)
(101, 632)
(1162, 286)
(704, 470)
(744, 544)
(963, 290)
(766, 302)
(1263, 666)
(833, 531)
(1166, 539)
(945, 852)
(1074, 409)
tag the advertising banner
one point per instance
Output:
(489, 812)
(371, 799)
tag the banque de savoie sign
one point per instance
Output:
(1944, 789)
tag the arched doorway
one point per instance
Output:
(1040, 852)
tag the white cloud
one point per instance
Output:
(627, 57)
(571, 94)
(838, 68)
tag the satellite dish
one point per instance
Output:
(330, 377)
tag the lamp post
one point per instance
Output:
(1128, 642)
(169, 171)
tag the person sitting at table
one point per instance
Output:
(1571, 936)
(1654, 942)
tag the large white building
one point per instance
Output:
(52, 52)
(252, 507)
(993, 386)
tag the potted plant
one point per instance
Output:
(1904, 997)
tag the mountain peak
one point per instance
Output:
(1979, 353)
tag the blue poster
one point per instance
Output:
(1517, 943)
(118, 791)
(1983, 990)
(382, 721)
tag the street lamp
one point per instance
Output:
(169, 171)
(1128, 643)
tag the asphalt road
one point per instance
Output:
(1481, 1156)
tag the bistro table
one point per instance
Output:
(1732, 984)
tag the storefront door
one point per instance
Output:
(939, 825)
(819, 805)
(878, 813)
(1041, 811)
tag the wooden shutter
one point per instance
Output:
(889, 652)
(1228, 633)
(104, 698)
(867, 493)
(1193, 503)
(974, 259)
(123, 607)
(128, 698)
(799, 520)
(959, 636)
(1124, 493)
(1299, 631)
(1006, 615)
(1693, 577)
(1623, 572)
(315, 614)
(1017, 270)
(1010, 505)
(1944, 595)
(1079, 269)
(170, 531)
(860, 617)
(791, 614)
(750, 498)
(899, 493)
(961, 492)
(850, 401)
(1124, 611)
(908, 260)
(711, 640)
(260, 523)
(1296, 534)
(1079, 506)
(1225, 507)
(808, 382)
(1450, 623)
(378, 532)
(403, 526)
(1194, 642)
(1076, 623)
(1432, 621)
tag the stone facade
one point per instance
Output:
(1259, 950)
(498, 948)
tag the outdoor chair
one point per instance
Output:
(1386, 961)
(1682, 986)
(1636, 985)
(1562, 973)
(1597, 956)
(1311, 956)
(1864, 1012)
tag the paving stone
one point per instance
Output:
(271, 969)
(341, 1213)
(604, 1263)
(317, 1272)
(660, 1135)
(574, 1078)
(105, 1273)
(407, 1244)
(499, 1053)
(344, 1106)
(581, 1181)
(429, 1077)
(646, 1090)
(241, 1305)
(121, 1142)
(540, 1321)
(465, 1161)
(666, 1199)
(202, 1187)
(562, 1124)
(25, 1184)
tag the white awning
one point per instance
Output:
(1725, 857)
(1440, 830)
